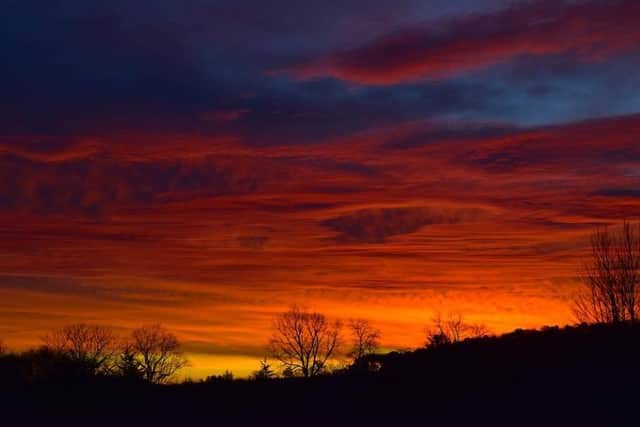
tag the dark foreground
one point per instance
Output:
(586, 375)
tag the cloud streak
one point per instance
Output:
(377, 225)
(589, 30)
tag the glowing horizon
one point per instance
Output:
(374, 161)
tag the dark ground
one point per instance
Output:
(585, 375)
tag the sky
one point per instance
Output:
(208, 163)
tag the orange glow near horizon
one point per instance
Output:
(494, 229)
(206, 165)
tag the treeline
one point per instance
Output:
(303, 344)
(582, 375)
(307, 344)
(80, 351)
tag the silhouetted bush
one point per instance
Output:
(265, 372)
(225, 377)
(42, 365)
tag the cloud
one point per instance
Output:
(588, 144)
(377, 225)
(144, 171)
(225, 115)
(588, 30)
(252, 242)
(91, 185)
(451, 132)
(618, 192)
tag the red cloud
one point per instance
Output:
(473, 215)
(587, 29)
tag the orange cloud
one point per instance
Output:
(493, 225)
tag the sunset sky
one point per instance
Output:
(207, 163)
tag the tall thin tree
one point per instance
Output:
(365, 339)
(611, 277)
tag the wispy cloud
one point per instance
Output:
(589, 30)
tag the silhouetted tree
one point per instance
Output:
(3, 349)
(437, 339)
(304, 342)
(365, 339)
(91, 346)
(477, 330)
(453, 329)
(156, 352)
(265, 372)
(126, 364)
(612, 276)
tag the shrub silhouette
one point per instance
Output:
(127, 365)
(225, 377)
(42, 365)
(265, 372)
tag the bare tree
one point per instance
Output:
(304, 342)
(366, 339)
(611, 277)
(477, 330)
(453, 329)
(92, 346)
(3, 349)
(155, 353)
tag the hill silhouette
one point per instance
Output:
(582, 375)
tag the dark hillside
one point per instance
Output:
(584, 375)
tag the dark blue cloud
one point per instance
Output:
(87, 68)
(378, 225)
(618, 192)
(92, 185)
(560, 89)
